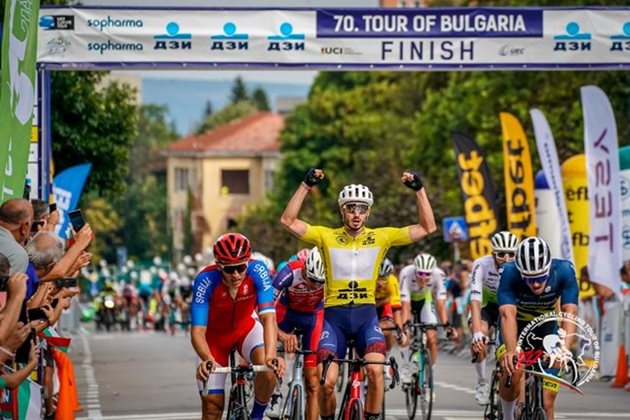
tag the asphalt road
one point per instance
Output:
(146, 375)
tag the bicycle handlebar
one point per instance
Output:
(360, 362)
(242, 369)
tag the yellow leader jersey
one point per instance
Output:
(352, 263)
(390, 292)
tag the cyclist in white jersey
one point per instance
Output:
(484, 312)
(420, 283)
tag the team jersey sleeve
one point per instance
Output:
(439, 289)
(568, 283)
(506, 295)
(203, 287)
(406, 276)
(394, 291)
(476, 281)
(284, 278)
(264, 287)
(397, 236)
(313, 235)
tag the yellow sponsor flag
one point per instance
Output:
(519, 178)
(576, 196)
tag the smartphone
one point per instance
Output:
(76, 219)
(52, 207)
(69, 282)
(54, 302)
(36, 313)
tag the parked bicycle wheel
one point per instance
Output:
(425, 386)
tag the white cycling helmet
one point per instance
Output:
(386, 268)
(355, 193)
(533, 257)
(504, 241)
(265, 259)
(425, 263)
(315, 266)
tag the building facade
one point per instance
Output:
(215, 176)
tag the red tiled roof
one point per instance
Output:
(258, 132)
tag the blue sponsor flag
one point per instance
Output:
(67, 188)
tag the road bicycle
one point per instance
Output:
(295, 402)
(352, 404)
(241, 391)
(421, 385)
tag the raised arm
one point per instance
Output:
(426, 221)
(289, 218)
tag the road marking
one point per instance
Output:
(455, 387)
(94, 410)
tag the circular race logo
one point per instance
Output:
(543, 342)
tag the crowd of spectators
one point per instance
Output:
(36, 272)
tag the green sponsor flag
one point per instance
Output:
(17, 93)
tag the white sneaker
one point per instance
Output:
(406, 373)
(275, 406)
(482, 392)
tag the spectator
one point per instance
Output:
(16, 218)
(16, 288)
(41, 214)
(44, 251)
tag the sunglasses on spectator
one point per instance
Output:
(536, 279)
(505, 254)
(352, 207)
(231, 269)
(424, 274)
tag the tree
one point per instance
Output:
(93, 124)
(208, 109)
(231, 112)
(260, 100)
(239, 91)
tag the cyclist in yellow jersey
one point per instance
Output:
(352, 255)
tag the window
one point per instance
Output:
(182, 180)
(235, 181)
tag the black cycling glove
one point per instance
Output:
(416, 184)
(310, 179)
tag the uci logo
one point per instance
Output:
(625, 187)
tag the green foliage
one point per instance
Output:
(370, 127)
(230, 113)
(93, 123)
(260, 100)
(239, 91)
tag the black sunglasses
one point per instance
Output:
(231, 269)
(505, 254)
(362, 208)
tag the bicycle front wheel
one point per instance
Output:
(493, 409)
(539, 414)
(425, 386)
(297, 411)
(356, 410)
(411, 398)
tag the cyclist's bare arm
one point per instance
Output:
(406, 311)
(199, 343)
(270, 328)
(426, 220)
(568, 326)
(475, 316)
(289, 218)
(441, 310)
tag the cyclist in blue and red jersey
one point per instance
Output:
(226, 297)
(301, 305)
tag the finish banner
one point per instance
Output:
(551, 167)
(478, 192)
(602, 168)
(17, 94)
(577, 200)
(421, 38)
(519, 178)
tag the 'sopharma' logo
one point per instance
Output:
(113, 22)
(60, 23)
(552, 346)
